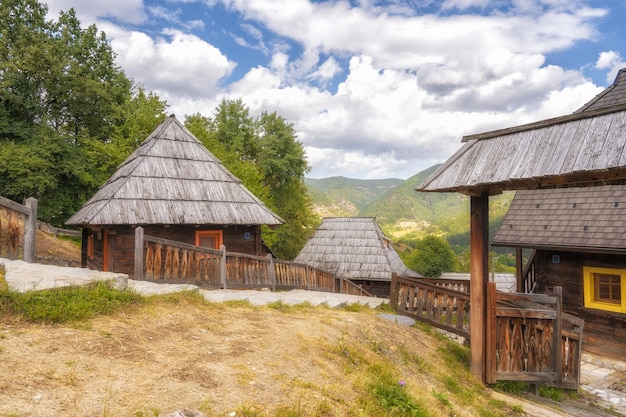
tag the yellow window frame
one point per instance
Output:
(590, 289)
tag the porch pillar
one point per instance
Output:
(479, 276)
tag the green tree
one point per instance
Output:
(432, 256)
(265, 154)
(68, 114)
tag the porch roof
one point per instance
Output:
(582, 149)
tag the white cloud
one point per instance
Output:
(174, 64)
(128, 11)
(415, 84)
(612, 61)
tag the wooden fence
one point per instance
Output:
(442, 303)
(163, 260)
(11, 240)
(530, 339)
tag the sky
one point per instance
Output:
(374, 88)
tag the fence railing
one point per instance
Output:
(442, 303)
(164, 260)
(11, 240)
(530, 339)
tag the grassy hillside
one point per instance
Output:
(346, 197)
(232, 359)
(402, 212)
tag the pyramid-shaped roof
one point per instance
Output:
(171, 178)
(354, 248)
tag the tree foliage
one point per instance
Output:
(264, 153)
(432, 256)
(68, 114)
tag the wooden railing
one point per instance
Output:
(441, 303)
(10, 236)
(530, 339)
(164, 260)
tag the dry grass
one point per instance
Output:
(179, 352)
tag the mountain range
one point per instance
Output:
(400, 211)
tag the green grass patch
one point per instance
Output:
(67, 304)
(390, 394)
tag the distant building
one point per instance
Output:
(355, 248)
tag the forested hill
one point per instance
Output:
(398, 208)
(347, 197)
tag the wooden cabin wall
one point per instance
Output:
(604, 332)
(121, 242)
(378, 288)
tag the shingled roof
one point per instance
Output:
(171, 178)
(591, 219)
(584, 148)
(355, 248)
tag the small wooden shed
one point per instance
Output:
(587, 148)
(176, 189)
(355, 248)
(579, 240)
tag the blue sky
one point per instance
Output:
(374, 89)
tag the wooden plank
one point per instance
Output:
(14, 206)
(526, 376)
(525, 313)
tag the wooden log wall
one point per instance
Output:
(437, 305)
(605, 332)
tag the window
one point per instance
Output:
(605, 288)
(209, 238)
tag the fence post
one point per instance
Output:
(558, 340)
(272, 267)
(138, 270)
(491, 345)
(223, 277)
(30, 230)
(393, 291)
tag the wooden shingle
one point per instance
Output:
(591, 219)
(355, 248)
(171, 178)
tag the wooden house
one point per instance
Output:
(355, 248)
(176, 189)
(583, 149)
(579, 240)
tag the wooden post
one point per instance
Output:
(557, 343)
(519, 269)
(84, 243)
(479, 276)
(223, 277)
(393, 291)
(30, 230)
(272, 271)
(138, 267)
(490, 351)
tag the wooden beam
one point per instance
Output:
(479, 276)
